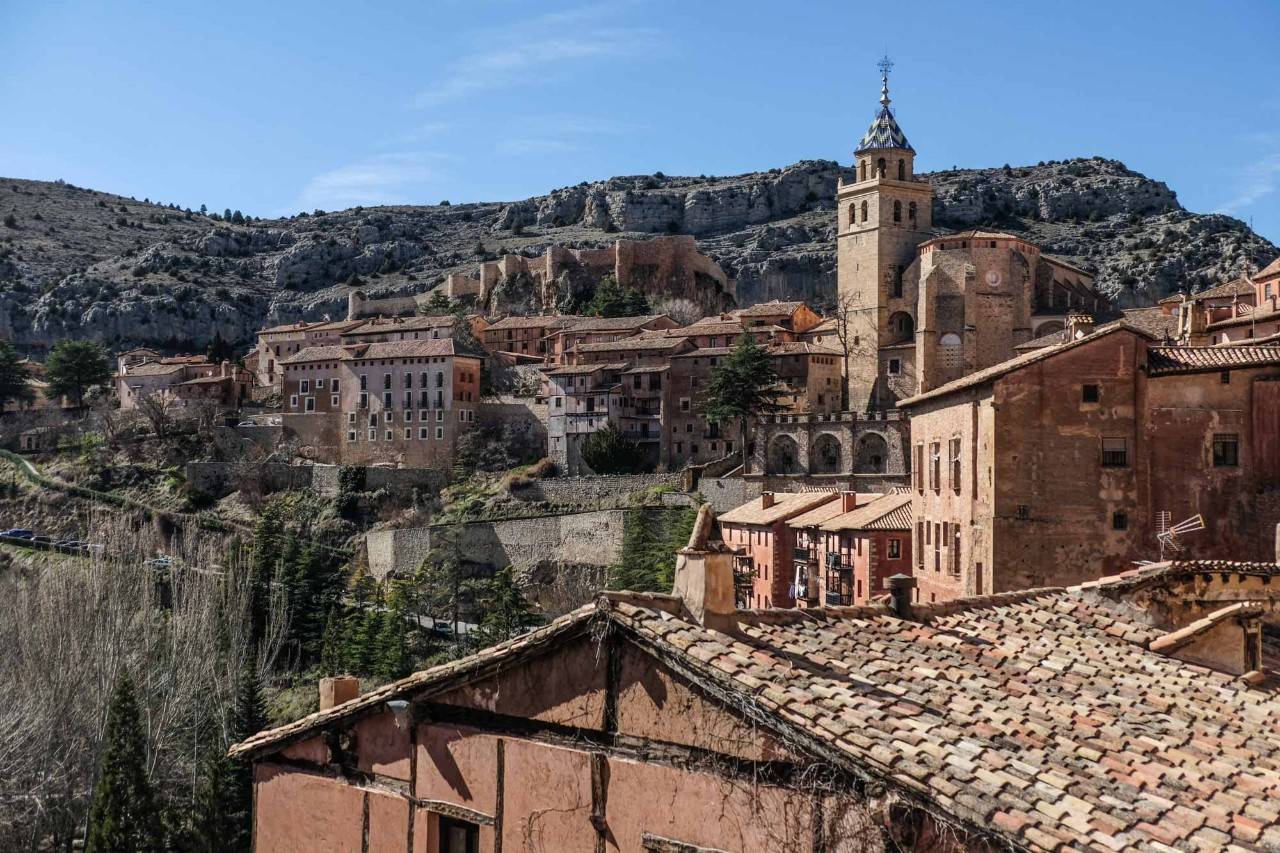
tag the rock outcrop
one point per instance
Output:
(77, 262)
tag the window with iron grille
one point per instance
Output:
(1226, 450)
(1115, 452)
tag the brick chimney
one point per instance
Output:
(766, 500)
(704, 575)
(900, 587)
(334, 691)
(848, 501)
(1079, 326)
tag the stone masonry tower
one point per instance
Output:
(883, 214)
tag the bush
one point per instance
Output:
(10, 220)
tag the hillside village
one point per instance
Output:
(954, 532)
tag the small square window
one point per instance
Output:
(387, 436)
(333, 401)
(293, 401)
(351, 435)
(408, 433)
(1226, 450)
(1089, 393)
(424, 433)
(895, 367)
(439, 432)
(1115, 452)
(1225, 377)
(1119, 520)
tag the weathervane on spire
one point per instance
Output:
(885, 65)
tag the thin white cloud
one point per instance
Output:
(420, 133)
(531, 50)
(1259, 179)
(519, 147)
(401, 178)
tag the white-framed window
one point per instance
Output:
(333, 401)
(439, 415)
(309, 404)
(364, 400)
(423, 415)
(439, 432)
(386, 416)
(364, 382)
(373, 433)
(388, 435)
(351, 435)
(408, 415)
(462, 415)
(408, 398)
(351, 418)
(304, 387)
(293, 401)
(408, 433)
(333, 386)
(386, 400)
(422, 379)
(424, 433)
(319, 384)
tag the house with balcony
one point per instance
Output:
(763, 545)
(863, 548)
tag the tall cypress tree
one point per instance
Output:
(393, 647)
(267, 535)
(248, 717)
(123, 817)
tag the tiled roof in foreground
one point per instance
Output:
(1040, 719)
(1165, 360)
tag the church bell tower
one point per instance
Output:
(883, 213)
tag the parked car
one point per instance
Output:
(18, 533)
(43, 540)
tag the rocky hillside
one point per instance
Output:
(78, 262)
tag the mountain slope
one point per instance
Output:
(76, 262)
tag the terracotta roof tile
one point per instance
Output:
(891, 512)
(539, 321)
(785, 505)
(1162, 361)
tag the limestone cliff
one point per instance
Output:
(78, 262)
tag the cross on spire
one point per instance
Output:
(885, 65)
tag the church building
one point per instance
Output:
(923, 307)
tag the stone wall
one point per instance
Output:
(214, 478)
(841, 443)
(583, 538)
(579, 490)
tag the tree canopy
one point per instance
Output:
(123, 817)
(15, 376)
(76, 366)
(743, 385)
(608, 451)
(613, 300)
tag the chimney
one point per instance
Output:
(900, 587)
(766, 500)
(1079, 326)
(334, 691)
(704, 575)
(848, 501)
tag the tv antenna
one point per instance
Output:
(1168, 535)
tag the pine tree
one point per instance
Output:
(393, 647)
(215, 822)
(331, 647)
(123, 817)
(608, 451)
(506, 611)
(15, 376)
(267, 535)
(743, 385)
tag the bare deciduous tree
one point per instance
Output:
(161, 411)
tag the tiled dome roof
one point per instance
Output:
(884, 133)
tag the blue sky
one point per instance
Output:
(277, 107)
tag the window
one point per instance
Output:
(895, 366)
(895, 549)
(1226, 450)
(1225, 377)
(955, 549)
(935, 466)
(953, 446)
(911, 212)
(902, 170)
(439, 415)
(684, 404)
(1023, 512)
(917, 469)
(386, 400)
(422, 415)
(408, 415)
(458, 836)
(319, 384)
(333, 401)
(439, 432)
(364, 400)
(864, 211)
(1115, 452)
(386, 381)
(408, 433)
(351, 435)
(388, 435)
(386, 416)
(1119, 520)
(333, 386)
(897, 211)
(309, 404)
(424, 433)
(897, 281)
(439, 379)
(408, 399)
(351, 418)
(304, 387)
(1089, 393)
(408, 379)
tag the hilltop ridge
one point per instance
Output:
(78, 262)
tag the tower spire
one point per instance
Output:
(885, 65)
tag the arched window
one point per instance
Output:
(911, 211)
(881, 169)
(902, 170)
(897, 211)
(949, 346)
(853, 214)
(864, 170)
(864, 211)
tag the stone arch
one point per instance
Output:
(784, 455)
(826, 456)
(871, 454)
(902, 326)
(864, 211)
(863, 166)
(882, 169)
(897, 211)
(902, 170)
(1047, 328)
